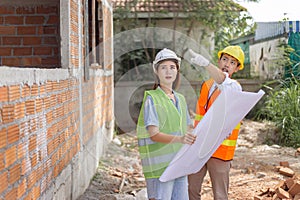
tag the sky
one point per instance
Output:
(272, 10)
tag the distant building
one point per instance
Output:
(264, 57)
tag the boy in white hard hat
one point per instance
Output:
(231, 60)
(163, 128)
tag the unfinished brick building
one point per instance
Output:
(56, 95)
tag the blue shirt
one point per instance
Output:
(150, 114)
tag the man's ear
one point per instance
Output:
(237, 68)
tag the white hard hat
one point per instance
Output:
(165, 54)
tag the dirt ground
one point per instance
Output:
(119, 175)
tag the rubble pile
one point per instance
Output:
(288, 189)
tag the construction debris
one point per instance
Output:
(288, 189)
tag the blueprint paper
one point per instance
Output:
(227, 111)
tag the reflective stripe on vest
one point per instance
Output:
(198, 117)
(155, 156)
(227, 148)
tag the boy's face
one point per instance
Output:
(228, 64)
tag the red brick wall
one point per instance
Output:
(48, 123)
(29, 36)
(37, 134)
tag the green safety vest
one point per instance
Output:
(156, 156)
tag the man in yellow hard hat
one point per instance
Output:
(230, 60)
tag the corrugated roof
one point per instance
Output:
(174, 5)
(266, 30)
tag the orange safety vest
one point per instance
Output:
(227, 148)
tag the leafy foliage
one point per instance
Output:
(226, 18)
(282, 108)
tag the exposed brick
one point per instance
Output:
(24, 129)
(4, 181)
(14, 20)
(11, 40)
(38, 105)
(7, 10)
(51, 131)
(50, 147)
(32, 61)
(26, 30)
(3, 94)
(53, 19)
(50, 40)
(35, 90)
(11, 61)
(49, 86)
(56, 171)
(40, 172)
(2, 165)
(55, 86)
(3, 137)
(14, 173)
(14, 92)
(31, 180)
(5, 52)
(25, 10)
(47, 9)
(10, 156)
(32, 41)
(36, 192)
(19, 110)
(7, 30)
(50, 62)
(22, 150)
(21, 188)
(56, 142)
(30, 107)
(8, 113)
(13, 134)
(43, 91)
(34, 20)
(47, 103)
(42, 51)
(25, 51)
(32, 143)
(34, 159)
(33, 125)
(49, 30)
(26, 166)
(12, 194)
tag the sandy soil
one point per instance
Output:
(253, 170)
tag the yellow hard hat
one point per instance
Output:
(236, 52)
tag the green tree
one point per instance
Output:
(227, 19)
